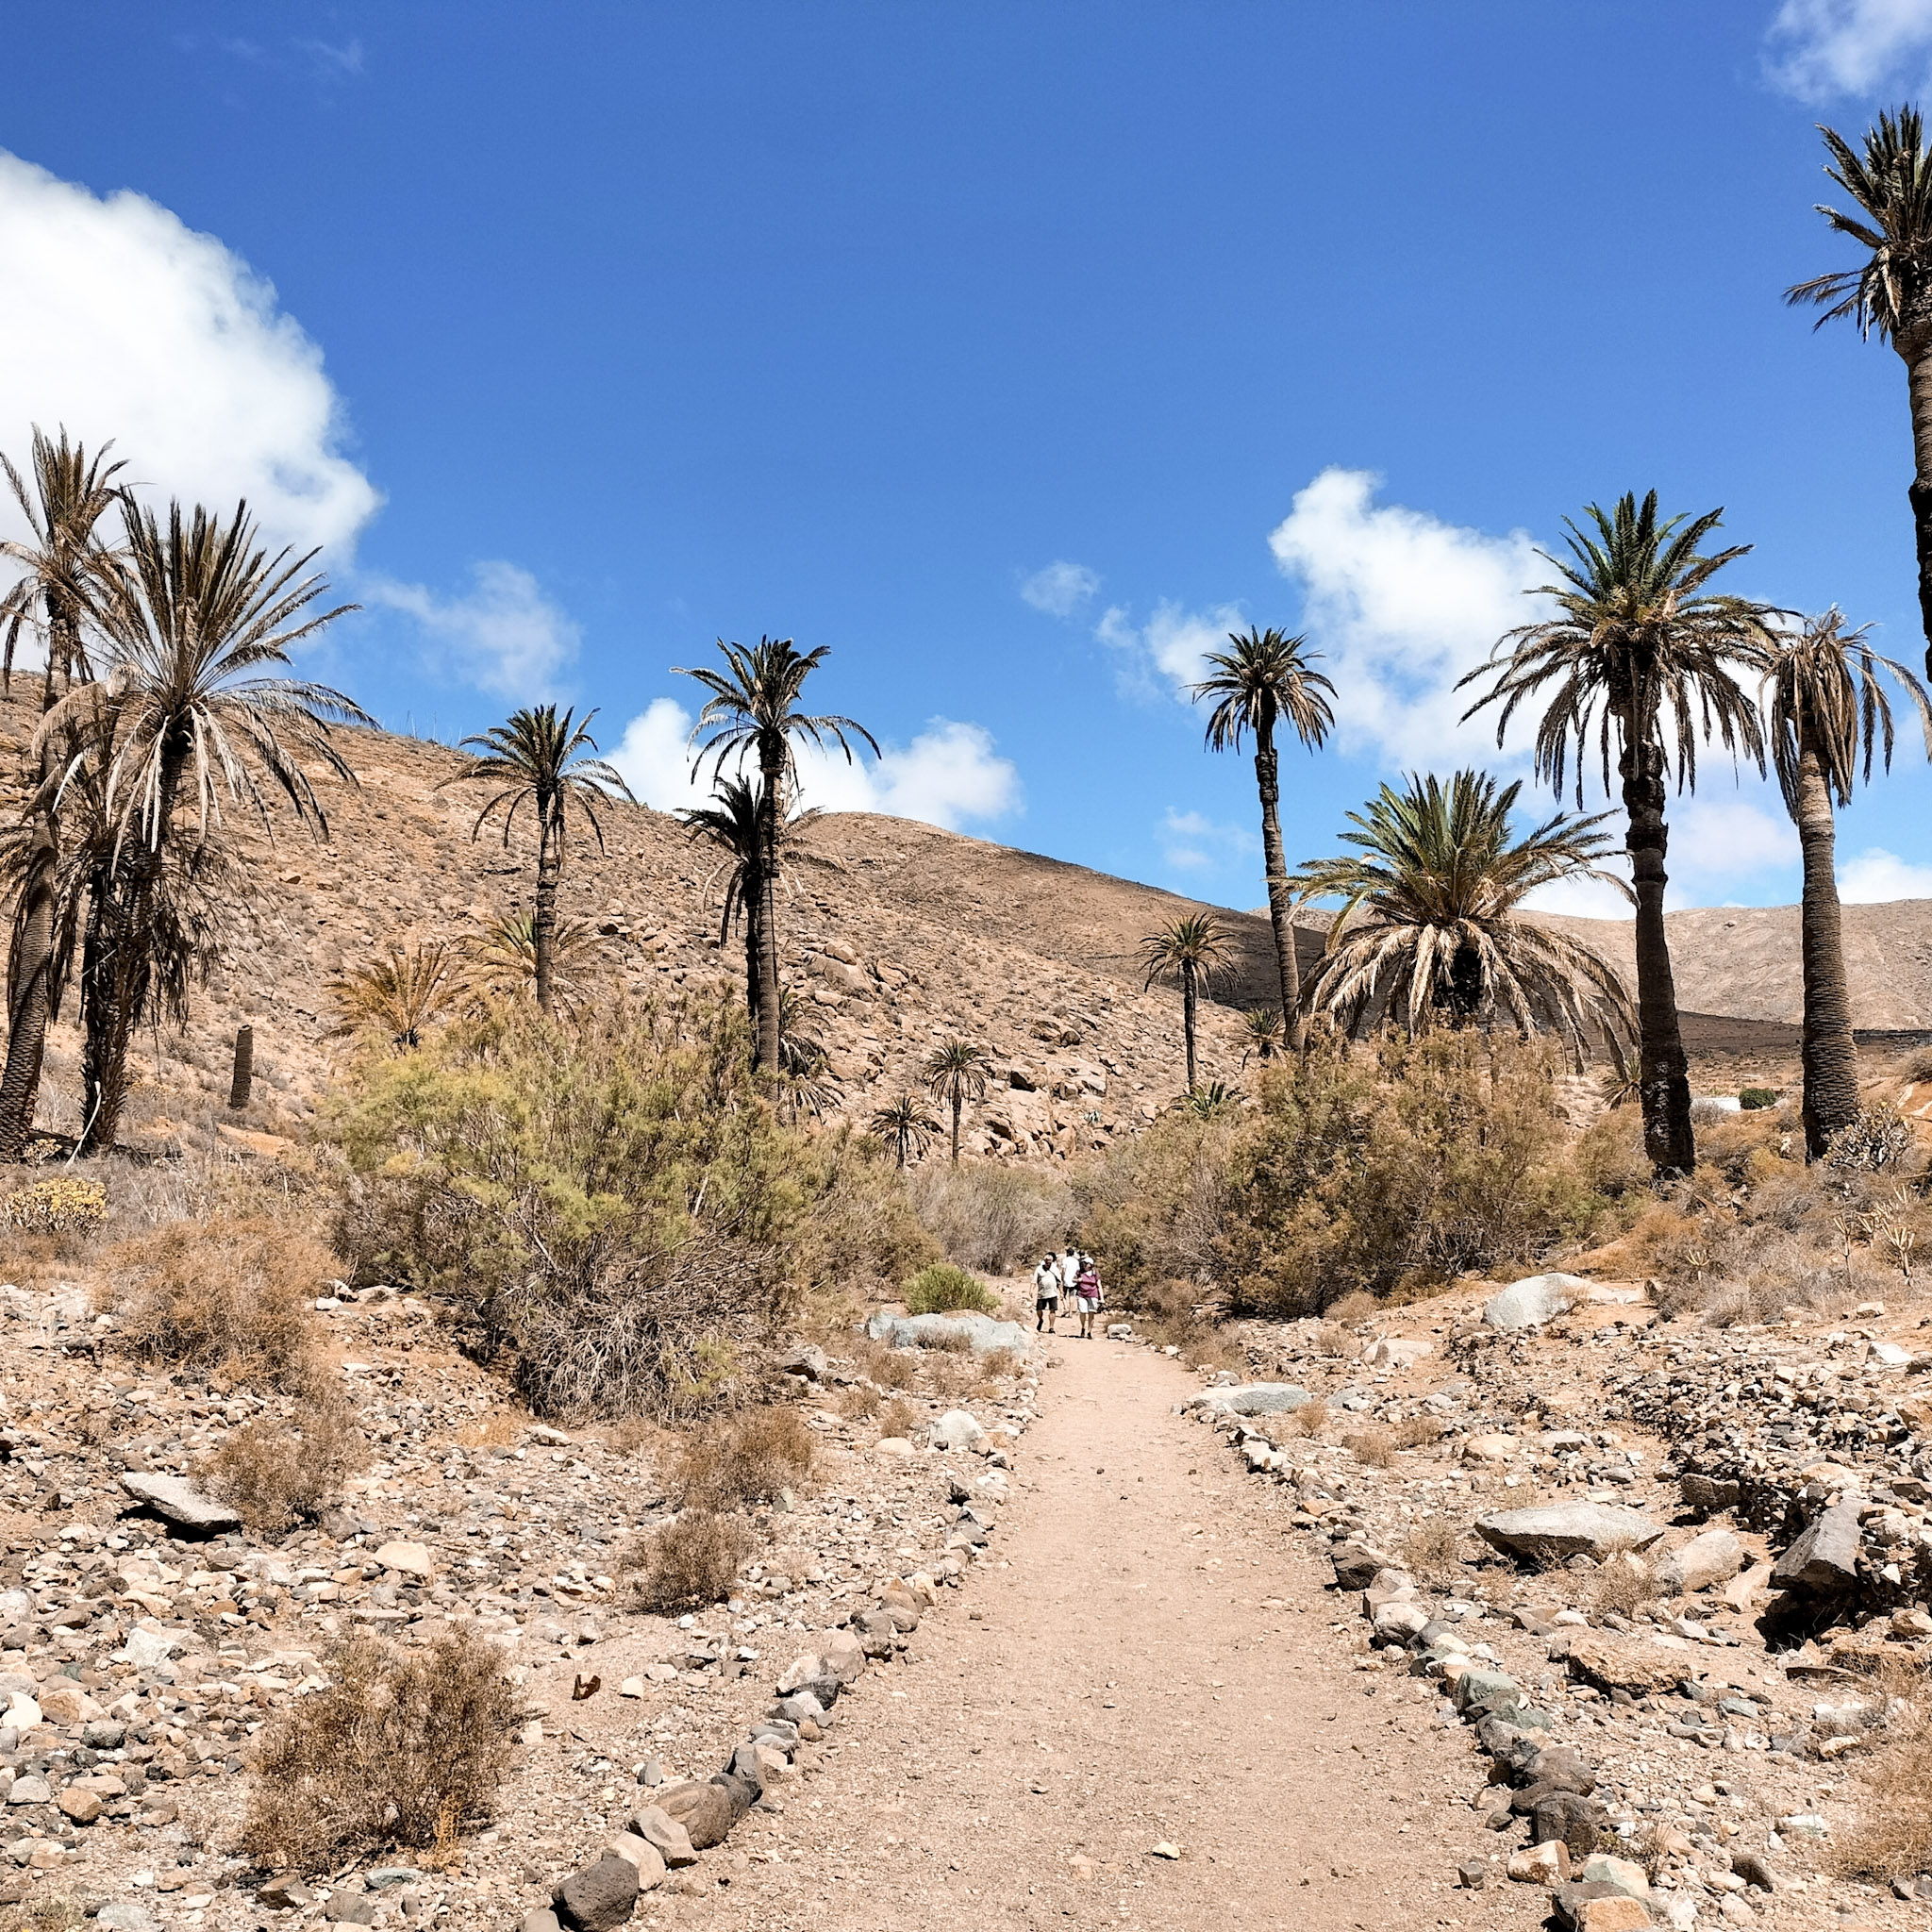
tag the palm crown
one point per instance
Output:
(730, 823)
(1638, 638)
(1194, 946)
(1438, 884)
(1264, 679)
(1892, 183)
(63, 564)
(538, 757)
(752, 708)
(1823, 692)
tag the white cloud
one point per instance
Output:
(505, 635)
(1402, 604)
(1580, 899)
(123, 323)
(1876, 874)
(1821, 48)
(950, 774)
(1059, 589)
(1192, 841)
(1169, 646)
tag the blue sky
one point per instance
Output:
(1012, 350)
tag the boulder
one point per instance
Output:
(176, 1500)
(644, 1858)
(982, 1334)
(1624, 1663)
(1592, 1905)
(600, 1897)
(956, 1429)
(1536, 1299)
(1250, 1398)
(705, 1810)
(1709, 1495)
(1486, 1692)
(1357, 1565)
(1396, 1351)
(1400, 1621)
(1621, 1875)
(844, 1656)
(407, 1558)
(800, 1671)
(1561, 1768)
(1823, 1560)
(1490, 1447)
(1568, 1818)
(1554, 1532)
(669, 1839)
(1541, 1864)
(1714, 1557)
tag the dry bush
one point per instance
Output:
(404, 1748)
(952, 1376)
(1891, 1836)
(1331, 1338)
(278, 1471)
(943, 1342)
(633, 1435)
(1432, 1550)
(858, 1401)
(744, 1460)
(1610, 1159)
(1351, 1309)
(890, 1368)
(1681, 1248)
(44, 1914)
(1309, 1419)
(227, 1298)
(1373, 1448)
(1623, 1584)
(898, 1418)
(998, 1364)
(1418, 1431)
(690, 1563)
(995, 1216)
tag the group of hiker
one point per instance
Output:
(1072, 1274)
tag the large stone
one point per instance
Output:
(1540, 1864)
(657, 1828)
(1487, 1691)
(1251, 1398)
(1823, 1560)
(981, 1333)
(644, 1857)
(1357, 1565)
(1713, 1558)
(705, 1810)
(600, 1897)
(1624, 1663)
(1554, 1532)
(1709, 1495)
(1623, 1874)
(407, 1558)
(1592, 1905)
(956, 1429)
(844, 1656)
(1400, 1621)
(1568, 1818)
(800, 1671)
(1396, 1351)
(1561, 1768)
(176, 1500)
(1536, 1299)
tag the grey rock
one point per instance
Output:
(808, 1362)
(1823, 1560)
(386, 1876)
(1487, 1691)
(658, 1828)
(1714, 1557)
(956, 1429)
(123, 1916)
(982, 1333)
(1251, 1398)
(1355, 1565)
(542, 1922)
(352, 1908)
(642, 1857)
(176, 1500)
(1534, 1300)
(1709, 1495)
(600, 1897)
(1569, 1819)
(1561, 1768)
(1751, 1867)
(1554, 1532)
(286, 1894)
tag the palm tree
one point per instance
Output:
(1191, 949)
(1266, 680)
(60, 568)
(734, 823)
(1638, 641)
(1438, 885)
(401, 994)
(752, 712)
(538, 757)
(504, 953)
(954, 1073)
(807, 1084)
(192, 617)
(1890, 290)
(1824, 701)
(904, 1125)
(1262, 1035)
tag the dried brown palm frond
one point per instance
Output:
(399, 996)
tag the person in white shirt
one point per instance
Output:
(1046, 1296)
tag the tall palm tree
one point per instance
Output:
(60, 565)
(1890, 290)
(1824, 701)
(904, 1125)
(1438, 885)
(192, 616)
(954, 1073)
(752, 712)
(1267, 679)
(505, 955)
(807, 1084)
(734, 823)
(538, 757)
(1189, 949)
(1641, 655)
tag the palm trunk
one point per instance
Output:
(752, 907)
(1190, 1001)
(1915, 346)
(1663, 1073)
(1280, 899)
(771, 808)
(543, 921)
(1829, 1055)
(958, 1102)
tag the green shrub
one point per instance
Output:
(943, 1290)
(1752, 1098)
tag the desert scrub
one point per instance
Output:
(61, 1205)
(225, 1297)
(995, 1216)
(1309, 1419)
(944, 1289)
(898, 1418)
(1373, 1448)
(404, 1748)
(690, 1564)
(739, 1461)
(1892, 1835)
(1432, 1550)
(279, 1471)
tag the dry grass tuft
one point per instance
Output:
(1354, 1308)
(280, 1472)
(1432, 1550)
(404, 1748)
(690, 1563)
(744, 1460)
(1892, 1837)
(898, 1418)
(1419, 1431)
(1309, 1419)
(1624, 1584)
(858, 1401)
(1373, 1448)
(227, 1298)
(890, 1368)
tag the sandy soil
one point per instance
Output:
(1139, 1661)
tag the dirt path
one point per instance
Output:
(1144, 1658)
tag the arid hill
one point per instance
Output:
(902, 933)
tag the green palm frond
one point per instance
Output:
(1193, 944)
(1261, 1034)
(540, 758)
(905, 1125)
(955, 1071)
(504, 955)
(63, 565)
(1430, 923)
(401, 994)
(752, 709)
(1265, 679)
(731, 824)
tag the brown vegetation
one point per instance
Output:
(278, 1471)
(690, 1564)
(741, 1461)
